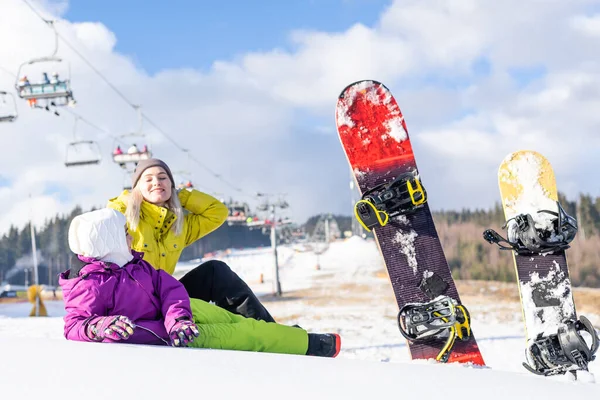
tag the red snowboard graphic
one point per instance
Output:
(372, 128)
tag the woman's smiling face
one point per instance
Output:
(155, 185)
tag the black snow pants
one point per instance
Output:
(215, 281)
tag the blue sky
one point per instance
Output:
(188, 33)
(475, 81)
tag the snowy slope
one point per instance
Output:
(96, 371)
(349, 294)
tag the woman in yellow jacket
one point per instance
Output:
(160, 230)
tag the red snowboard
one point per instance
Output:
(375, 138)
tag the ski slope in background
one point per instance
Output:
(349, 294)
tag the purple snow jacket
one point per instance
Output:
(151, 299)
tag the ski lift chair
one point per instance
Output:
(93, 156)
(184, 177)
(89, 148)
(185, 185)
(255, 222)
(54, 94)
(131, 158)
(8, 107)
(238, 213)
(124, 158)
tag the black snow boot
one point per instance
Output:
(324, 344)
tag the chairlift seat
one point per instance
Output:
(236, 222)
(8, 107)
(45, 91)
(256, 223)
(7, 118)
(80, 163)
(94, 158)
(130, 158)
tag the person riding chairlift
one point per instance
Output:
(24, 81)
(24, 86)
(133, 149)
(117, 151)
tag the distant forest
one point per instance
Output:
(54, 254)
(469, 256)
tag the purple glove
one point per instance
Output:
(183, 333)
(115, 327)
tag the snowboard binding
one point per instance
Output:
(441, 318)
(403, 195)
(525, 239)
(564, 351)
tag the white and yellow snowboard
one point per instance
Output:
(538, 233)
(527, 185)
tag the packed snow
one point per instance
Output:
(344, 290)
(406, 242)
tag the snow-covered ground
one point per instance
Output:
(349, 294)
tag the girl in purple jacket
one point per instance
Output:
(112, 295)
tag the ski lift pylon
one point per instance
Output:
(92, 156)
(8, 107)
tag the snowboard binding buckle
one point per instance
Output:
(525, 239)
(564, 351)
(403, 195)
(441, 318)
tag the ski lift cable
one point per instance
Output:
(73, 113)
(113, 87)
(89, 64)
(134, 106)
(91, 124)
(8, 72)
(70, 160)
(191, 157)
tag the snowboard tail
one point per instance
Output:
(375, 139)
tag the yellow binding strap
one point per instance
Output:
(412, 191)
(456, 330)
(378, 213)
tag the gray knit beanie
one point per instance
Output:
(144, 165)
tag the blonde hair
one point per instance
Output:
(134, 204)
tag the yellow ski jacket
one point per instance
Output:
(154, 237)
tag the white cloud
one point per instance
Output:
(589, 25)
(261, 120)
(96, 37)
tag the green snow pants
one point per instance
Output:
(220, 329)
